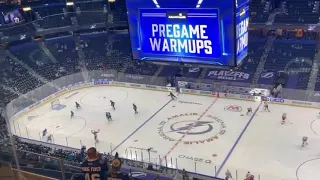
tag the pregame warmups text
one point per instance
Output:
(180, 38)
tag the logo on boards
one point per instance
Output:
(193, 127)
(267, 75)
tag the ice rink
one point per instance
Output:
(210, 132)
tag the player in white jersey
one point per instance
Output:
(304, 141)
(266, 107)
(95, 135)
(284, 117)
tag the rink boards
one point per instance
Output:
(235, 158)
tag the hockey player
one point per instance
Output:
(248, 175)
(108, 115)
(135, 108)
(251, 177)
(172, 96)
(266, 107)
(72, 114)
(44, 132)
(249, 111)
(112, 104)
(304, 141)
(228, 174)
(78, 105)
(284, 117)
(95, 135)
(49, 138)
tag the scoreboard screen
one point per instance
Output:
(193, 31)
(242, 24)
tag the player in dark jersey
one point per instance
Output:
(172, 96)
(135, 108)
(72, 114)
(94, 167)
(112, 104)
(78, 105)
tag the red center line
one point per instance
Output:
(185, 134)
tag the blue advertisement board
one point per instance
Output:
(184, 31)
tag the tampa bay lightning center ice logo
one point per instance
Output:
(193, 127)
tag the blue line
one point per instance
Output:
(237, 141)
(140, 126)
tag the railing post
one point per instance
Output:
(236, 174)
(67, 142)
(14, 127)
(19, 129)
(27, 132)
(142, 156)
(136, 155)
(176, 163)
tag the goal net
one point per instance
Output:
(55, 104)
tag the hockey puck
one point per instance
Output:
(242, 115)
(214, 155)
(173, 106)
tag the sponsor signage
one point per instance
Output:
(73, 94)
(101, 82)
(228, 75)
(228, 95)
(247, 97)
(196, 159)
(271, 99)
(194, 70)
(107, 75)
(135, 77)
(119, 83)
(207, 92)
(35, 104)
(151, 87)
(135, 85)
(186, 102)
(317, 95)
(267, 75)
(302, 103)
(137, 174)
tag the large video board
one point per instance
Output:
(242, 24)
(185, 31)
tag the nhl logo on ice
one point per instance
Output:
(233, 108)
(208, 129)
